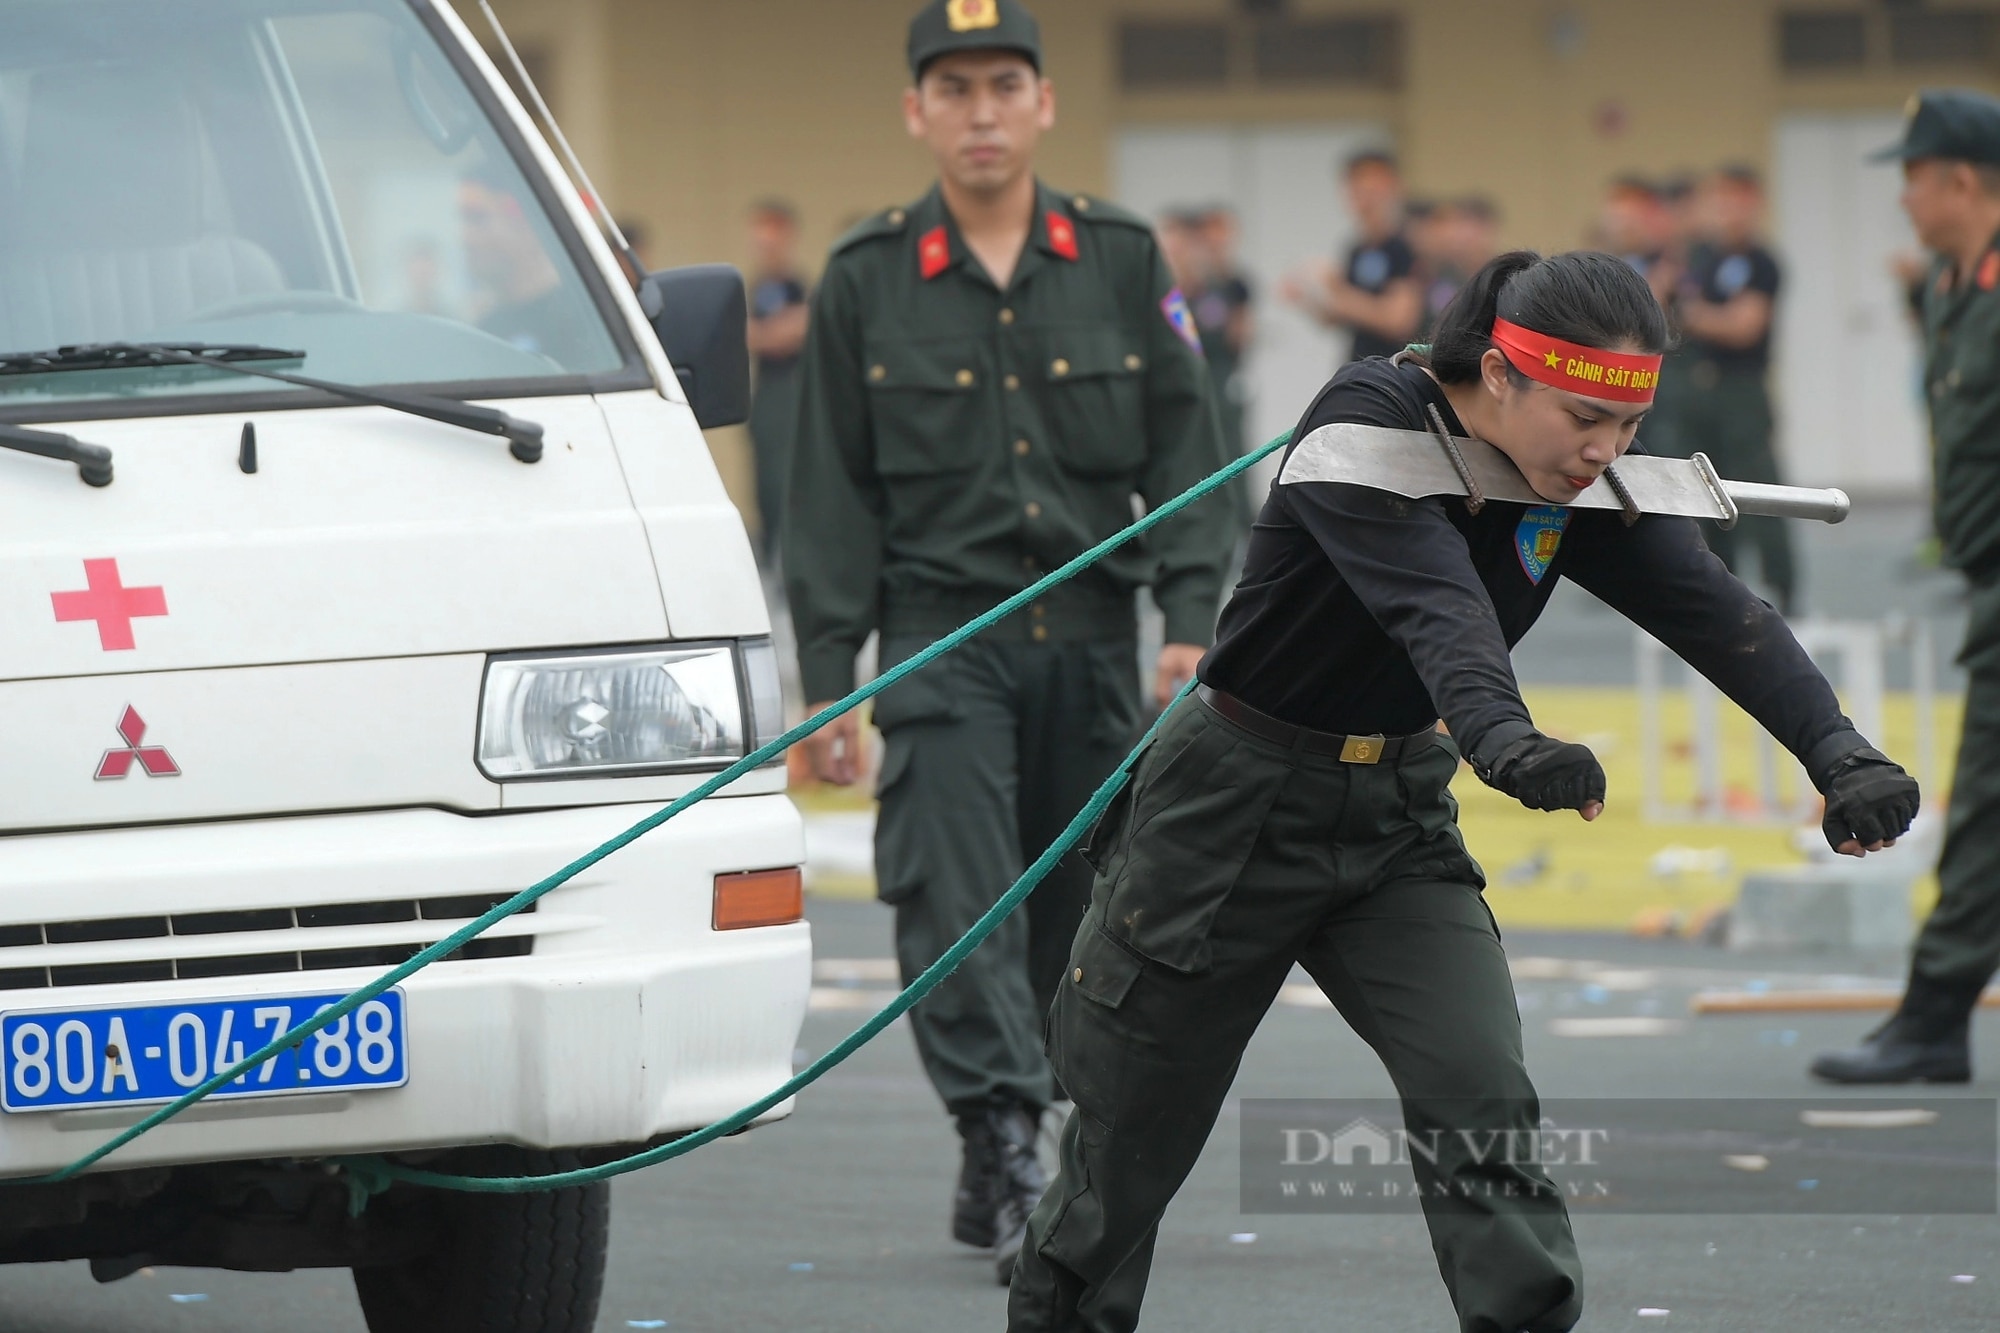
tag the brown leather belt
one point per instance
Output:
(1347, 749)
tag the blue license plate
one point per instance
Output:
(54, 1059)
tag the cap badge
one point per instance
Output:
(968, 15)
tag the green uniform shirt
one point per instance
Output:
(1962, 377)
(956, 441)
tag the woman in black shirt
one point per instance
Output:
(1297, 810)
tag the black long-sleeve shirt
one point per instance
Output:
(1364, 613)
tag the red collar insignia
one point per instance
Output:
(1062, 235)
(933, 253)
(1989, 271)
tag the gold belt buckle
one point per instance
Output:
(1362, 750)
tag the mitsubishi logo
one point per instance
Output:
(153, 758)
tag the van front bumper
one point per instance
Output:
(631, 1018)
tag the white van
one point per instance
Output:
(301, 673)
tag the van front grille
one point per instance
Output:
(249, 922)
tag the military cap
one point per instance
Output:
(1954, 123)
(945, 26)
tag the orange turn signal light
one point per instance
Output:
(759, 898)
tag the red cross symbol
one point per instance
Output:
(110, 603)
(153, 758)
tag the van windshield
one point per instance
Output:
(302, 174)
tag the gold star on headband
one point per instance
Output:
(1552, 358)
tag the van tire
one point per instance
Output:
(500, 1263)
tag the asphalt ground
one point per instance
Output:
(835, 1219)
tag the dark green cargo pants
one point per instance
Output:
(1727, 415)
(990, 752)
(1959, 946)
(1227, 860)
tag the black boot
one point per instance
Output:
(1021, 1183)
(978, 1182)
(1928, 1040)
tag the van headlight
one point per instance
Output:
(614, 711)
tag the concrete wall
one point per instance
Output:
(687, 110)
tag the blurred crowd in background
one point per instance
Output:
(1698, 239)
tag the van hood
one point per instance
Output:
(363, 533)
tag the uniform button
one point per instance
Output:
(1081, 204)
(1076, 975)
(964, 378)
(1021, 447)
(1006, 316)
(1041, 635)
(1133, 362)
(878, 373)
(1059, 367)
(1012, 381)
(1027, 562)
(896, 216)
(1039, 610)
(1032, 510)
(1952, 378)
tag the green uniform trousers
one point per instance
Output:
(1726, 414)
(774, 422)
(989, 753)
(1959, 946)
(1227, 860)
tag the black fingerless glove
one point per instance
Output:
(1869, 799)
(1543, 773)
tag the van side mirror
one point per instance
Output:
(702, 319)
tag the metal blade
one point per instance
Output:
(1411, 463)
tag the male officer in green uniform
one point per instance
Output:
(993, 372)
(1951, 170)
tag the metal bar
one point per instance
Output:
(1419, 464)
(1753, 497)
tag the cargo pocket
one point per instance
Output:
(1097, 399)
(899, 864)
(925, 696)
(1088, 1045)
(1193, 829)
(925, 400)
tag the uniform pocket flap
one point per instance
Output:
(939, 367)
(1103, 970)
(1078, 354)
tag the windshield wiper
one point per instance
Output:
(524, 438)
(118, 356)
(93, 461)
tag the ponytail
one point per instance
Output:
(1583, 297)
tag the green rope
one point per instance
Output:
(771, 750)
(376, 1168)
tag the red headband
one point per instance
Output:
(1590, 371)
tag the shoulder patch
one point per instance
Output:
(889, 222)
(1538, 537)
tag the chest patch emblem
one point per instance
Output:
(1538, 538)
(1181, 319)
